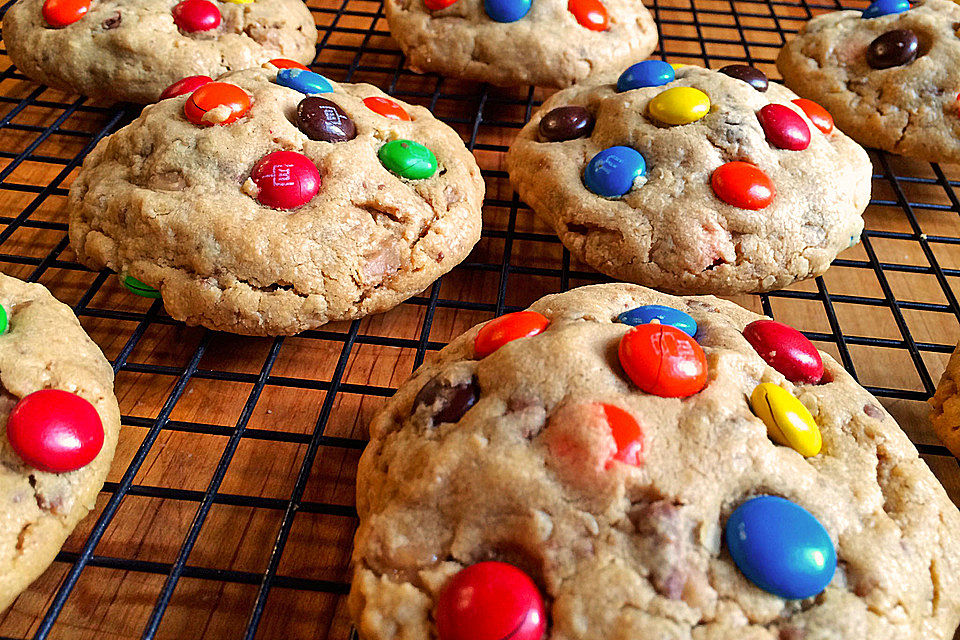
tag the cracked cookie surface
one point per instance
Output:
(620, 550)
(171, 203)
(131, 50)
(45, 348)
(671, 231)
(910, 109)
(547, 46)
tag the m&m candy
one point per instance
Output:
(285, 180)
(135, 286)
(184, 86)
(386, 108)
(216, 103)
(306, 82)
(4, 322)
(626, 433)
(819, 116)
(287, 63)
(781, 547)
(506, 10)
(196, 15)
(893, 49)
(751, 75)
(679, 105)
(437, 5)
(408, 159)
(649, 73)
(590, 14)
(786, 350)
(55, 431)
(60, 13)
(612, 172)
(490, 601)
(885, 7)
(447, 402)
(663, 360)
(324, 120)
(743, 185)
(784, 128)
(507, 328)
(788, 422)
(659, 314)
(565, 123)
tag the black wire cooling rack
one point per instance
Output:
(229, 512)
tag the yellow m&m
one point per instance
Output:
(679, 105)
(788, 421)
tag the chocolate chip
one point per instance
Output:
(893, 49)
(112, 22)
(324, 120)
(447, 402)
(751, 75)
(566, 123)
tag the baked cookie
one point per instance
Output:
(59, 423)
(552, 43)
(692, 180)
(130, 50)
(945, 403)
(888, 75)
(561, 469)
(271, 202)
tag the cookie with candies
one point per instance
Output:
(692, 180)
(615, 462)
(271, 201)
(552, 43)
(887, 74)
(59, 423)
(130, 50)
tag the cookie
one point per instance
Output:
(945, 405)
(561, 469)
(130, 50)
(888, 75)
(59, 423)
(271, 202)
(692, 180)
(552, 43)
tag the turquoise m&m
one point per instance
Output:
(506, 10)
(612, 172)
(659, 314)
(885, 7)
(408, 159)
(649, 73)
(781, 547)
(306, 82)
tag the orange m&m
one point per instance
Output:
(626, 433)
(590, 14)
(386, 108)
(286, 63)
(743, 185)
(508, 328)
(216, 103)
(60, 13)
(663, 360)
(819, 116)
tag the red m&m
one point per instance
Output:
(285, 180)
(60, 13)
(196, 15)
(819, 116)
(437, 5)
(386, 108)
(786, 350)
(785, 129)
(590, 14)
(185, 85)
(216, 103)
(490, 601)
(508, 328)
(743, 185)
(663, 360)
(55, 431)
(286, 63)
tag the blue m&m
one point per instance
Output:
(306, 82)
(885, 7)
(611, 172)
(649, 73)
(506, 10)
(659, 314)
(781, 547)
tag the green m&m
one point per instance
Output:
(137, 287)
(408, 159)
(3, 319)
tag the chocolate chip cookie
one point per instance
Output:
(619, 463)
(690, 180)
(274, 201)
(552, 43)
(945, 412)
(888, 75)
(130, 50)
(59, 423)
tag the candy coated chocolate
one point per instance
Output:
(196, 15)
(285, 180)
(61, 13)
(386, 108)
(214, 95)
(784, 127)
(679, 105)
(648, 73)
(885, 8)
(612, 172)
(893, 49)
(786, 350)
(185, 86)
(324, 120)
(591, 14)
(506, 10)
(408, 159)
(565, 123)
(663, 361)
(55, 431)
(659, 314)
(507, 328)
(751, 75)
(743, 185)
(306, 82)
(819, 116)
(788, 422)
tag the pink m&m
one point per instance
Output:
(196, 15)
(786, 350)
(184, 86)
(490, 601)
(55, 431)
(784, 127)
(285, 180)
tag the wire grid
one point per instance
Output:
(230, 510)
